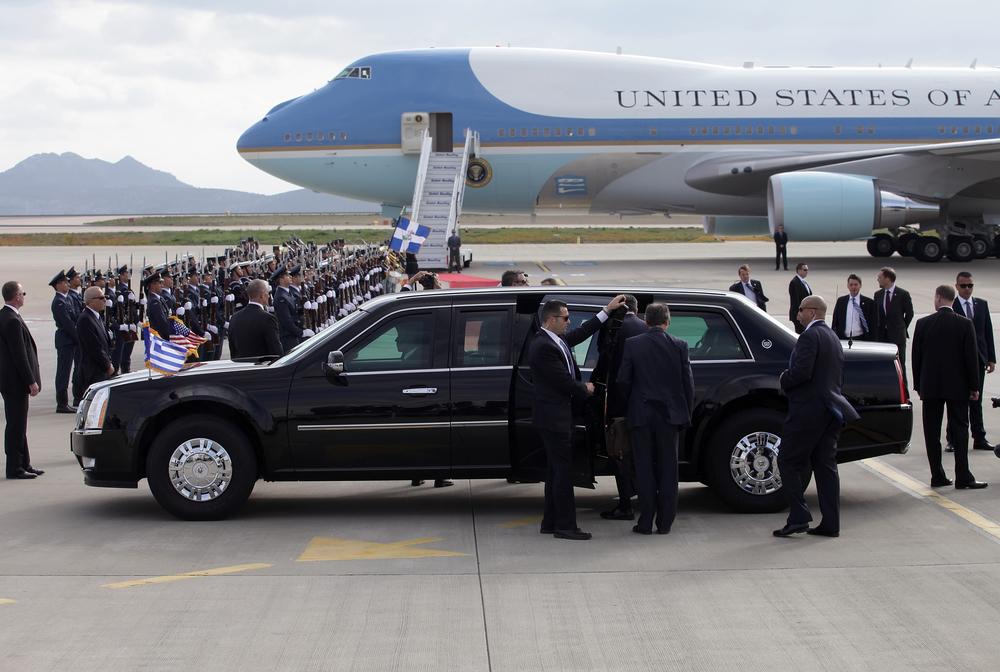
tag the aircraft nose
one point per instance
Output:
(251, 137)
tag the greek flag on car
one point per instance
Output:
(163, 356)
(408, 236)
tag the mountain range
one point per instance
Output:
(69, 184)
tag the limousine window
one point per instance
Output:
(483, 338)
(709, 336)
(586, 352)
(403, 343)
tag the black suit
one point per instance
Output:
(95, 350)
(253, 332)
(290, 330)
(77, 381)
(945, 370)
(65, 314)
(18, 372)
(780, 249)
(631, 326)
(156, 314)
(840, 325)
(893, 327)
(817, 410)
(556, 390)
(797, 290)
(987, 354)
(758, 290)
(656, 371)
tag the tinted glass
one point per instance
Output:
(399, 344)
(709, 336)
(483, 339)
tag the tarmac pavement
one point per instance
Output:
(384, 576)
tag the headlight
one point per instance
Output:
(97, 409)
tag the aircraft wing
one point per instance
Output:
(939, 170)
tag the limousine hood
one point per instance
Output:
(191, 369)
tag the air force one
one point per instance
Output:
(908, 158)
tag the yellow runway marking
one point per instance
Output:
(543, 266)
(334, 548)
(5, 600)
(915, 487)
(218, 571)
(521, 522)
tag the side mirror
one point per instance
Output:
(334, 364)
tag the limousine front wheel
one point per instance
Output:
(201, 468)
(743, 461)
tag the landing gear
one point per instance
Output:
(928, 248)
(906, 244)
(961, 248)
(881, 245)
(982, 247)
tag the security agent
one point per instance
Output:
(656, 371)
(798, 289)
(854, 314)
(978, 311)
(780, 246)
(557, 386)
(290, 329)
(65, 316)
(95, 348)
(752, 289)
(253, 332)
(894, 312)
(76, 294)
(19, 380)
(817, 410)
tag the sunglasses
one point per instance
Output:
(806, 308)
(967, 285)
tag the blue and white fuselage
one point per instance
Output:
(610, 133)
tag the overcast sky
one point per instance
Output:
(174, 82)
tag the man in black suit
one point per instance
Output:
(978, 311)
(95, 349)
(656, 371)
(631, 325)
(894, 312)
(780, 246)
(854, 315)
(798, 289)
(76, 294)
(557, 385)
(946, 373)
(64, 313)
(817, 410)
(19, 379)
(752, 289)
(253, 332)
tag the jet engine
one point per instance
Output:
(830, 206)
(718, 225)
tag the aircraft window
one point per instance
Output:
(749, 130)
(579, 132)
(737, 130)
(770, 130)
(709, 336)
(954, 130)
(484, 340)
(836, 130)
(546, 132)
(794, 130)
(534, 132)
(333, 136)
(501, 132)
(591, 132)
(725, 130)
(320, 136)
(989, 129)
(715, 130)
(309, 136)
(298, 137)
(704, 130)
(524, 132)
(404, 343)
(942, 130)
(342, 74)
(760, 130)
(343, 135)
(979, 130)
(288, 137)
(557, 132)
(365, 72)
(652, 131)
(965, 130)
(859, 130)
(569, 132)
(871, 130)
(693, 130)
(513, 132)
(782, 130)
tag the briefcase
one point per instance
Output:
(616, 439)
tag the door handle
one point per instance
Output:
(418, 391)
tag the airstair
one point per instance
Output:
(437, 197)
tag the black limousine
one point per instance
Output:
(435, 384)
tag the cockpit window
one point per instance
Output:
(355, 72)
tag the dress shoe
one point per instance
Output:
(443, 483)
(32, 470)
(639, 530)
(949, 448)
(940, 482)
(981, 444)
(552, 530)
(820, 532)
(971, 485)
(415, 482)
(618, 513)
(572, 535)
(663, 530)
(789, 530)
(21, 475)
(63, 408)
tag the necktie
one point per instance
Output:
(888, 301)
(864, 322)
(569, 355)
(968, 309)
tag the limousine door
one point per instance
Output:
(527, 452)
(386, 416)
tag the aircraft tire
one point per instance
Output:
(906, 244)
(982, 247)
(929, 248)
(960, 248)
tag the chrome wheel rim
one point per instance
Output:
(200, 470)
(753, 464)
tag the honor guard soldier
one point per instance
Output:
(76, 294)
(156, 312)
(121, 357)
(65, 315)
(291, 329)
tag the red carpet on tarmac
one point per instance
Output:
(463, 281)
